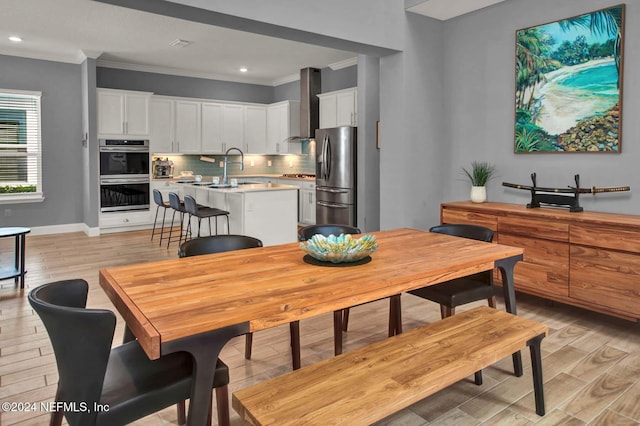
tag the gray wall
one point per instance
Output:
(173, 85)
(414, 151)
(90, 152)
(330, 80)
(479, 107)
(339, 79)
(62, 166)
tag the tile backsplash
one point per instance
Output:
(253, 164)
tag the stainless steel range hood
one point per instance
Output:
(310, 87)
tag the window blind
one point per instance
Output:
(20, 144)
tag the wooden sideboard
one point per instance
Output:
(586, 259)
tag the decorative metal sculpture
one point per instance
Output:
(550, 195)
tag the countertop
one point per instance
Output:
(240, 178)
(246, 187)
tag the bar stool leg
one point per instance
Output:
(155, 220)
(164, 214)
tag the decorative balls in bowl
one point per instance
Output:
(342, 249)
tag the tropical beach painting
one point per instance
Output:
(569, 84)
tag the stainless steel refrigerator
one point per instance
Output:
(336, 176)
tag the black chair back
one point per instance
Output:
(81, 340)
(174, 202)
(217, 244)
(307, 232)
(473, 232)
(157, 198)
(190, 205)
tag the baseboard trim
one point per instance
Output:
(62, 229)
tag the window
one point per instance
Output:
(20, 147)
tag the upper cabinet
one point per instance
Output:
(162, 125)
(255, 129)
(223, 127)
(283, 122)
(175, 125)
(339, 108)
(123, 113)
(188, 126)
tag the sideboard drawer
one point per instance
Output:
(545, 267)
(606, 237)
(606, 278)
(469, 217)
(534, 228)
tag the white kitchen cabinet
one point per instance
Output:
(212, 136)
(161, 125)
(339, 108)
(174, 125)
(283, 122)
(255, 129)
(308, 203)
(187, 127)
(223, 127)
(123, 113)
(125, 221)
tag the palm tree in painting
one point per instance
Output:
(532, 61)
(605, 22)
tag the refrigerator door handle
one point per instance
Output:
(333, 205)
(333, 191)
(323, 157)
(328, 158)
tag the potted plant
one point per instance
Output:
(481, 172)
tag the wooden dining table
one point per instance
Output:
(197, 304)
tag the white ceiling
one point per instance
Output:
(447, 9)
(70, 30)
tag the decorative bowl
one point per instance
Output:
(342, 249)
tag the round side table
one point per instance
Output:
(17, 270)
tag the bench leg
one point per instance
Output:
(536, 367)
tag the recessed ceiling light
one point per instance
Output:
(15, 39)
(243, 69)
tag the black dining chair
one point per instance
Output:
(224, 243)
(461, 291)
(395, 327)
(122, 379)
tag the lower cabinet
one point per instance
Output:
(308, 203)
(125, 221)
(588, 259)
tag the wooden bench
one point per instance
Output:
(375, 381)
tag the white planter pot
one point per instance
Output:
(478, 194)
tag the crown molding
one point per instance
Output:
(178, 71)
(43, 56)
(344, 64)
(286, 79)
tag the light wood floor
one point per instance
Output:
(591, 362)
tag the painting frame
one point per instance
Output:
(568, 84)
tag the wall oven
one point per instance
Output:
(124, 175)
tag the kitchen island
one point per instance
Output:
(267, 211)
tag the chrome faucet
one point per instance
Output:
(225, 178)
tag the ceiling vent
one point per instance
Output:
(180, 43)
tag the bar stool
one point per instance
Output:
(203, 212)
(157, 198)
(178, 207)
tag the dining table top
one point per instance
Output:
(265, 287)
